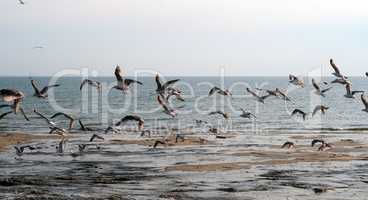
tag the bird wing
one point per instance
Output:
(292, 77)
(252, 93)
(295, 111)
(83, 83)
(130, 81)
(158, 82)
(81, 124)
(336, 69)
(5, 114)
(63, 114)
(315, 85)
(348, 89)
(24, 114)
(46, 88)
(170, 82)
(35, 87)
(364, 100)
(118, 76)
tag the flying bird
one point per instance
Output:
(132, 118)
(298, 111)
(41, 93)
(318, 89)
(296, 81)
(12, 107)
(282, 94)
(21, 2)
(71, 118)
(174, 92)
(321, 108)
(259, 98)
(161, 88)
(224, 115)
(219, 91)
(123, 84)
(246, 114)
(91, 83)
(315, 141)
(9, 95)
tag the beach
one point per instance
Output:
(200, 167)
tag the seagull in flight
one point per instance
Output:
(259, 98)
(298, 111)
(162, 87)
(225, 115)
(296, 81)
(123, 84)
(219, 91)
(10, 95)
(167, 110)
(246, 114)
(288, 144)
(21, 2)
(41, 93)
(91, 83)
(318, 89)
(321, 108)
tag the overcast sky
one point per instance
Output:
(186, 37)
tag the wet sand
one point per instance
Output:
(126, 166)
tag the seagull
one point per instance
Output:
(315, 141)
(132, 118)
(259, 98)
(20, 109)
(225, 115)
(167, 109)
(9, 95)
(95, 136)
(219, 91)
(71, 119)
(246, 114)
(123, 84)
(318, 89)
(365, 103)
(321, 108)
(337, 72)
(288, 144)
(49, 122)
(296, 81)
(91, 83)
(43, 92)
(283, 95)
(20, 150)
(82, 127)
(161, 88)
(349, 93)
(270, 92)
(21, 2)
(174, 92)
(296, 111)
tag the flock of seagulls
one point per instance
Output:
(164, 91)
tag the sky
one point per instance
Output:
(184, 38)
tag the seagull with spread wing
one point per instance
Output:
(259, 98)
(92, 83)
(296, 80)
(162, 87)
(246, 114)
(219, 91)
(298, 111)
(336, 72)
(123, 84)
(41, 93)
